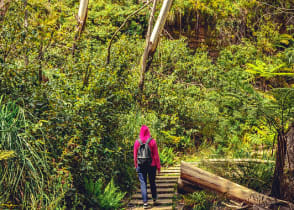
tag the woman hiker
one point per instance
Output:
(146, 161)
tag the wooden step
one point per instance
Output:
(170, 174)
(166, 177)
(159, 202)
(165, 182)
(161, 190)
(165, 185)
(153, 208)
(171, 171)
(174, 181)
(159, 195)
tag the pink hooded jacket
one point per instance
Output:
(144, 136)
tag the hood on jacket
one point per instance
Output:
(144, 133)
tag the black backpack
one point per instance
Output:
(144, 153)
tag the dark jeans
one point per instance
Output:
(142, 174)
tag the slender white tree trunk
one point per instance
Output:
(83, 12)
(158, 28)
(82, 16)
(154, 39)
(147, 47)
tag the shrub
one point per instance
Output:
(167, 156)
(25, 175)
(199, 200)
(109, 198)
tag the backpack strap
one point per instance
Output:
(139, 140)
(147, 142)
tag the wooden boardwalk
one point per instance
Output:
(166, 183)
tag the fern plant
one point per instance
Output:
(109, 198)
(267, 70)
(167, 156)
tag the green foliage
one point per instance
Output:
(109, 198)
(267, 71)
(200, 200)
(84, 115)
(167, 156)
(26, 175)
(256, 176)
(29, 162)
(4, 155)
(260, 136)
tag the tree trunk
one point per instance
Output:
(83, 11)
(154, 39)
(287, 186)
(82, 16)
(283, 181)
(279, 167)
(147, 47)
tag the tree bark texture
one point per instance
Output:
(279, 168)
(287, 186)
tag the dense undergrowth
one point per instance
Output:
(71, 120)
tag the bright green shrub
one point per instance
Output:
(167, 156)
(109, 198)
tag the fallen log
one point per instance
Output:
(186, 186)
(207, 180)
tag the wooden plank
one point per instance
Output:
(165, 177)
(158, 202)
(171, 174)
(230, 189)
(173, 181)
(153, 208)
(159, 195)
(161, 190)
(171, 171)
(165, 185)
